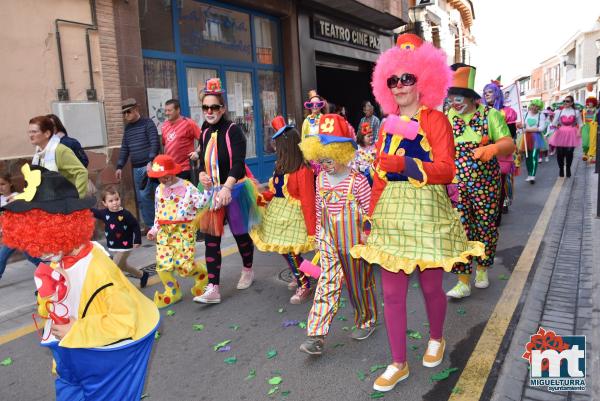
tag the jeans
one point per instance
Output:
(6, 252)
(145, 197)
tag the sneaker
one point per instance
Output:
(392, 376)
(211, 295)
(302, 294)
(313, 345)
(546, 159)
(292, 285)
(460, 290)
(144, 279)
(481, 279)
(362, 334)
(434, 354)
(246, 279)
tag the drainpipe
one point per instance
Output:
(63, 92)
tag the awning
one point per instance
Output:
(356, 9)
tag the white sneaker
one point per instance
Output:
(460, 290)
(528, 178)
(546, 159)
(481, 279)
(540, 160)
(211, 295)
(246, 279)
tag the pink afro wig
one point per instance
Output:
(426, 62)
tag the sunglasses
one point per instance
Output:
(212, 107)
(568, 101)
(405, 79)
(128, 112)
(314, 105)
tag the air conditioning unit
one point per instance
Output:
(84, 121)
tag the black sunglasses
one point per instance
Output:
(128, 111)
(405, 79)
(213, 107)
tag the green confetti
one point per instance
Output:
(275, 380)
(280, 310)
(6, 362)
(273, 390)
(461, 311)
(415, 285)
(234, 327)
(302, 325)
(221, 345)
(376, 394)
(231, 360)
(156, 335)
(346, 328)
(414, 334)
(426, 324)
(144, 396)
(361, 375)
(503, 277)
(338, 345)
(443, 375)
(375, 368)
(170, 312)
(414, 347)
(342, 318)
(251, 375)
(198, 327)
(457, 390)
(285, 393)
(271, 354)
(411, 312)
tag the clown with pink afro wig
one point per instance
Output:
(410, 211)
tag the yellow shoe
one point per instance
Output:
(172, 293)
(392, 376)
(434, 354)
(200, 275)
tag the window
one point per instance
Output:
(211, 31)
(161, 85)
(598, 65)
(270, 101)
(267, 46)
(240, 105)
(156, 25)
(196, 79)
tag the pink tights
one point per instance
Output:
(395, 286)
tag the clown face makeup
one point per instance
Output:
(460, 103)
(329, 165)
(52, 257)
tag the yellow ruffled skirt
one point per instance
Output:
(416, 227)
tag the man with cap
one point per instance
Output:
(370, 119)
(480, 134)
(141, 143)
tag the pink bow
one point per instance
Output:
(178, 190)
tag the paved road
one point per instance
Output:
(184, 365)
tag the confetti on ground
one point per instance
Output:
(426, 324)
(342, 318)
(457, 390)
(338, 345)
(461, 311)
(412, 312)
(231, 360)
(234, 327)
(156, 335)
(226, 348)
(285, 393)
(170, 312)
(251, 375)
(198, 327)
(414, 347)
(414, 334)
(221, 345)
(375, 368)
(361, 375)
(6, 362)
(443, 375)
(376, 394)
(280, 310)
(275, 380)
(346, 328)
(144, 396)
(415, 285)
(289, 323)
(302, 325)
(503, 277)
(271, 354)
(273, 390)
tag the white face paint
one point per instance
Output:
(52, 257)
(328, 165)
(458, 103)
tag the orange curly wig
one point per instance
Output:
(37, 232)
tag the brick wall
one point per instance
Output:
(110, 71)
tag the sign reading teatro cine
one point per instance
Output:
(339, 32)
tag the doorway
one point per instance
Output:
(346, 82)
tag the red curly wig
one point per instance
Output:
(37, 232)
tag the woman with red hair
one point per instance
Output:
(413, 224)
